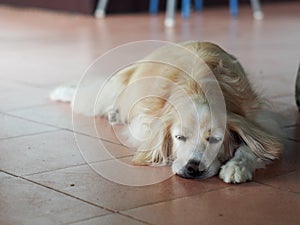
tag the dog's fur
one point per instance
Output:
(170, 117)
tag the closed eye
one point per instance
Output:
(180, 137)
(213, 140)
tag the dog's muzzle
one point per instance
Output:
(192, 170)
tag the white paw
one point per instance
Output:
(233, 172)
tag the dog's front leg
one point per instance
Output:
(114, 117)
(241, 167)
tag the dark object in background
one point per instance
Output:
(114, 6)
(298, 89)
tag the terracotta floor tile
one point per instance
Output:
(286, 106)
(60, 115)
(15, 96)
(23, 202)
(122, 171)
(240, 204)
(96, 150)
(91, 186)
(288, 182)
(271, 87)
(14, 127)
(111, 219)
(55, 114)
(288, 162)
(49, 151)
(100, 127)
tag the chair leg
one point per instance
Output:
(198, 5)
(185, 8)
(101, 8)
(256, 8)
(234, 7)
(170, 13)
(298, 88)
(153, 6)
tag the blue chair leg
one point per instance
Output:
(186, 8)
(198, 5)
(234, 7)
(153, 6)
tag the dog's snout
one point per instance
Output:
(193, 169)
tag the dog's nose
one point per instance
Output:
(192, 169)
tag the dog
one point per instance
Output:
(189, 105)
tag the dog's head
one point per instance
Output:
(196, 146)
(197, 143)
(186, 137)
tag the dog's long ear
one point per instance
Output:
(157, 149)
(264, 144)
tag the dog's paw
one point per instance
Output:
(113, 117)
(233, 172)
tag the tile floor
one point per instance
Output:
(44, 175)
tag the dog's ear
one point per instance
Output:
(260, 141)
(157, 149)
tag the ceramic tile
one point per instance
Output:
(93, 187)
(286, 106)
(99, 127)
(271, 87)
(15, 96)
(23, 202)
(15, 127)
(111, 219)
(55, 114)
(240, 204)
(60, 115)
(289, 182)
(122, 171)
(49, 151)
(288, 162)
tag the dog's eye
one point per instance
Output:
(213, 140)
(180, 137)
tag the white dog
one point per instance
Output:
(189, 105)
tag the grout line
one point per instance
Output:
(62, 128)
(278, 188)
(74, 166)
(175, 198)
(100, 138)
(86, 219)
(53, 170)
(8, 173)
(65, 193)
(23, 83)
(26, 107)
(91, 136)
(28, 135)
(118, 213)
(132, 217)
(58, 191)
(30, 120)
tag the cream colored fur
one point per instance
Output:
(169, 116)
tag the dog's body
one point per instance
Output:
(172, 118)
